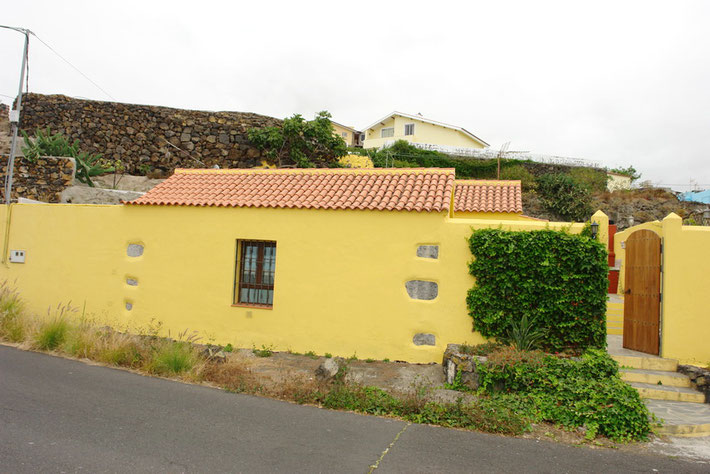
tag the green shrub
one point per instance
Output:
(51, 334)
(173, 358)
(520, 172)
(559, 279)
(265, 351)
(591, 178)
(562, 195)
(570, 392)
(404, 155)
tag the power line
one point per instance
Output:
(74, 67)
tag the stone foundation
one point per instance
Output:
(699, 378)
(43, 180)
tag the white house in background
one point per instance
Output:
(616, 181)
(421, 132)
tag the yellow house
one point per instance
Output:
(351, 136)
(372, 262)
(419, 131)
(617, 182)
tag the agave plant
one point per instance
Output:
(44, 143)
(88, 166)
(524, 335)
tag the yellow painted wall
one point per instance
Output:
(348, 134)
(424, 132)
(339, 284)
(685, 311)
(507, 216)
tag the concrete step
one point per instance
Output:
(680, 418)
(663, 392)
(646, 362)
(653, 377)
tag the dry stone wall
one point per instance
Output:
(149, 138)
(41, 180)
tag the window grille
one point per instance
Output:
(255, 278)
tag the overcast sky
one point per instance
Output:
(619, 82)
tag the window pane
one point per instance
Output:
(256, 279)
(387, 132)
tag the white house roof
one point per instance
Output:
(433, 122)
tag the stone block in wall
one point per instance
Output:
(42, 180)
(456, 361)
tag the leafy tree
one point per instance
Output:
(300, 142)
(629, 171)
(560, 194)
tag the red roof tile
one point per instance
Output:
(487, 196)
(402, 189)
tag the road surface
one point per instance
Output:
(59, 415)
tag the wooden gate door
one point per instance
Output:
(642, 292)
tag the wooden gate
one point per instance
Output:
(642, 292)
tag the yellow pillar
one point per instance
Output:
(603, 233)
(673, 322)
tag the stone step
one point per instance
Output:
(680, 418)
(646, 363)
(653, 377)
(663, 392)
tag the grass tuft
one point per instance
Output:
(51, 334)
(173, 358)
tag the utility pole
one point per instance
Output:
(15, 116)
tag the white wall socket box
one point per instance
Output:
(17, 256)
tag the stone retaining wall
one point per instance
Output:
(699, 378)
(149, 138)
(42, 180)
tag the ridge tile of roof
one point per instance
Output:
(392, 189)
(488, 196)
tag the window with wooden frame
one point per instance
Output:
(254, 282)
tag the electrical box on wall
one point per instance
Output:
(17, 256)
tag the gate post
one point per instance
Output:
(603, 220)
(671, 278)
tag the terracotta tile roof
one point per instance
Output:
(403, 189)
(488, 196)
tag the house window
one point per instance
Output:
(387, 132)
(409, 129)
(345, 134)
(256, 262)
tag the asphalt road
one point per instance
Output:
(58, 415)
